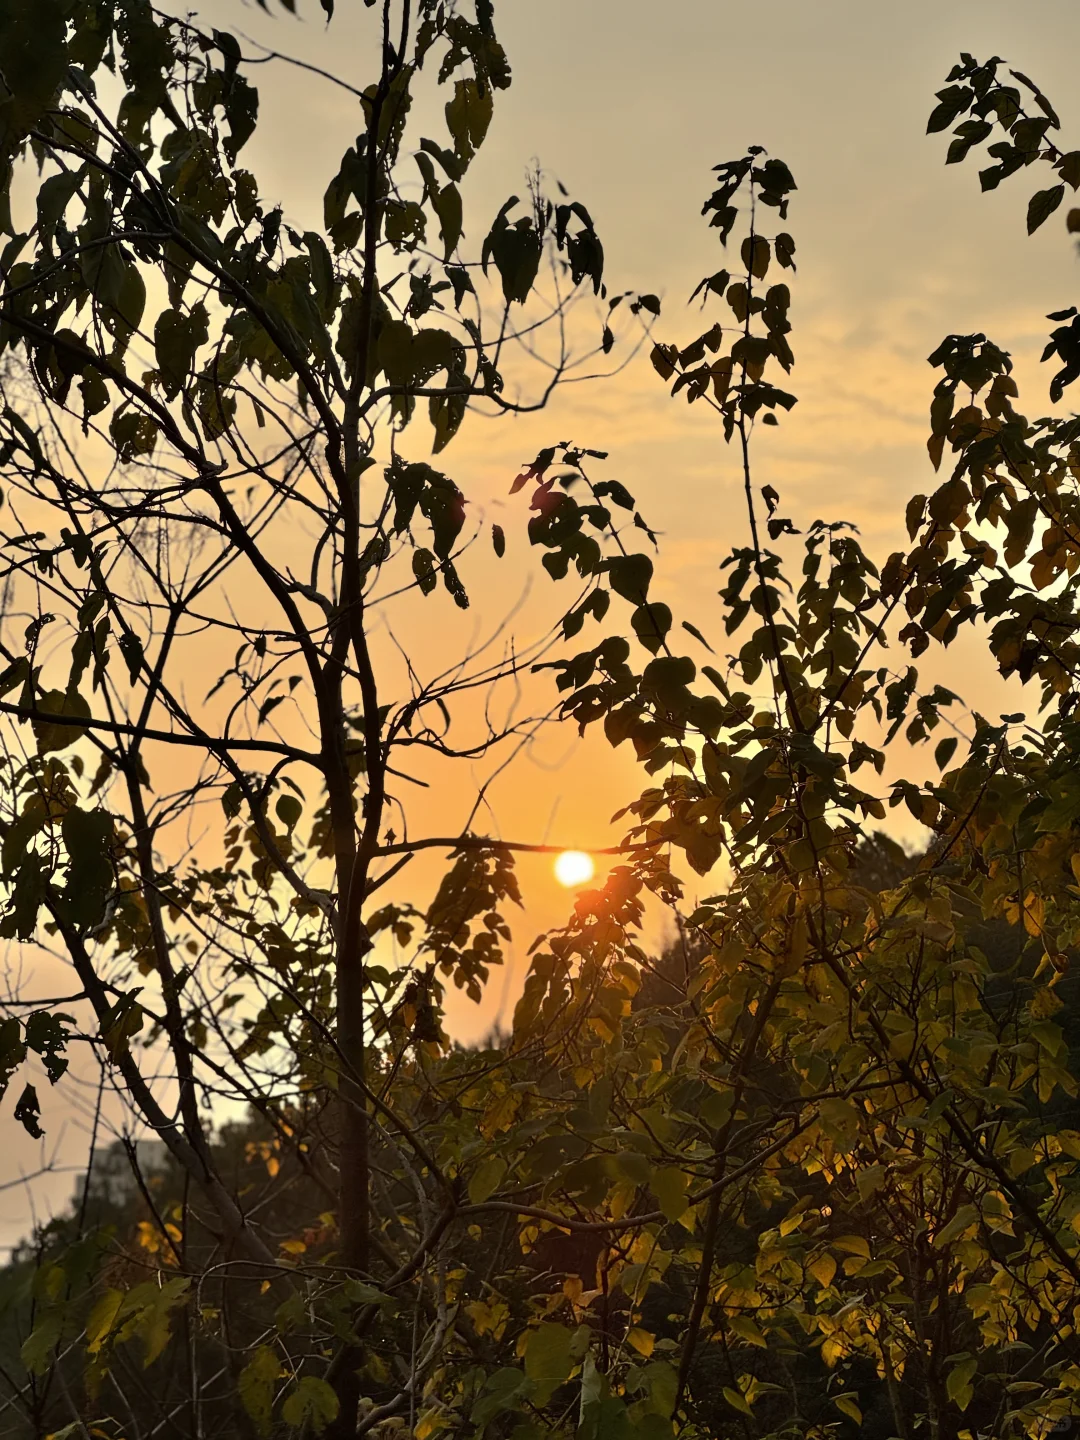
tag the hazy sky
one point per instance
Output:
(629, 104)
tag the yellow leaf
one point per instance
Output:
(293, 1247)
(500, 1113)
(1021, 1159)
(823, 1269)
(854, 1245)
(847, 1406)
(102, 1319)
(1034, 914)
(737, 1401)
(748, 1331)
(428, 1423)
(641, 1341)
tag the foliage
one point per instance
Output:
(814, 1168)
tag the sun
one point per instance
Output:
(574, 867)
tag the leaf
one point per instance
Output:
(88, 838)
(669, 1186)
(121, 1023)
(313, 1403)
(498, 540)
(548, 1359)
(131, 647)
(756, 253)
(177, 339)
(958, 1381)
(504, 1390)
(37, 1348)
(446, 413)
(630, 576)
(953, 101)
(468, 116)
(651, 624)
(965, 1217)
(737, 1401)
(28, 1112)
(50, 735)
(101, 1320)
(661, 358)
(486, 1179)
(696, 633)
(446, 202)
(745, 1328)
(423, 565)
(848, 1406)
(256, 1385)
(854, 1245)
(944, 751)
(517, 251)
(152, 1319)
(823, 1269)
(1042, 205)
(641, 1341)
(289, 810)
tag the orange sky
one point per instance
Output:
(629, 104)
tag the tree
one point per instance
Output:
(813, 1168)
(242, 485)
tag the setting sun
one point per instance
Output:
(574, 867)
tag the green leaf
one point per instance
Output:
(504, 1390)
(153, 1322)
(958, 1382)
(313, 1403)
(37, 1348)
(669, 1187)
(548, 1359)
(256, 1384)
(486, 1179)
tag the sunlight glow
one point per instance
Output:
(574, 867)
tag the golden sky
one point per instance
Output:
(629, 103)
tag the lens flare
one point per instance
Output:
(574, 867)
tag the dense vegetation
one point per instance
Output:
(812, 1171)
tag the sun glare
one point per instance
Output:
(574, 867)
